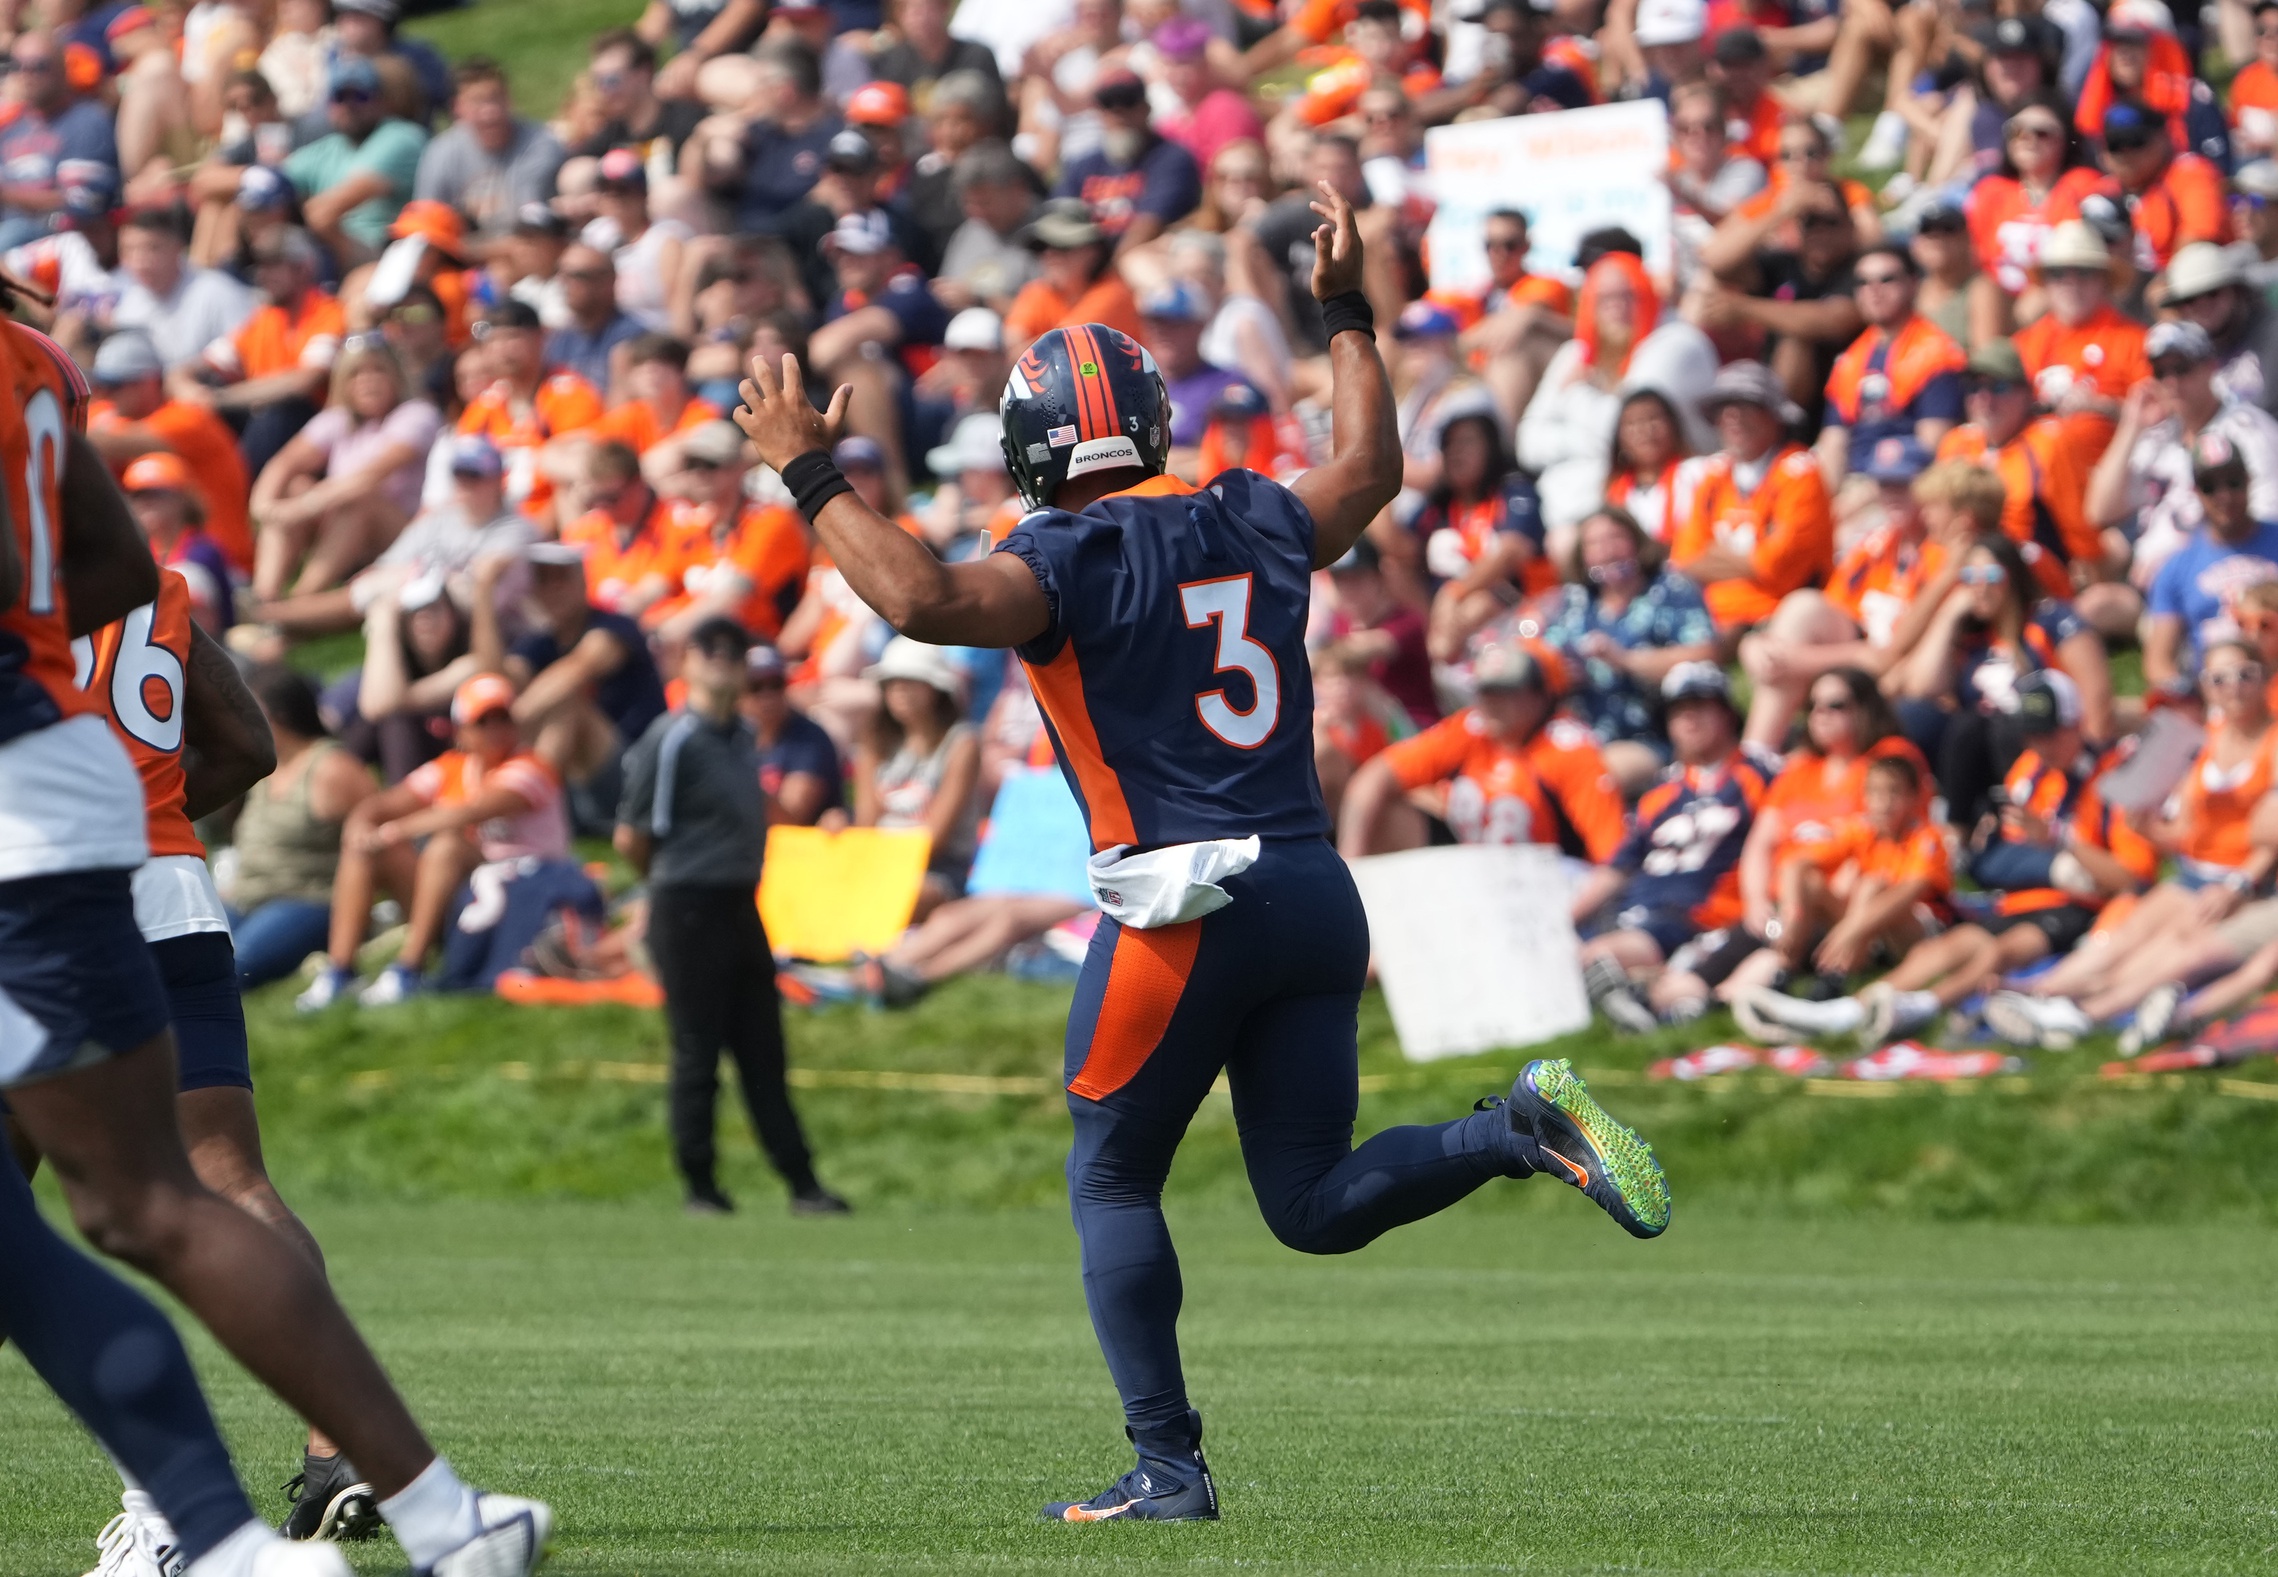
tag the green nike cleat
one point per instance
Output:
(1581, 1145)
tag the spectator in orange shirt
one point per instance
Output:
(2254, 91)
(1523, 318)
(133, 416)
(1876, 886)
(272, 371)
(739, 559)
(1513, 772)
(1077, 281)
(1900, 378)
(523, 409)
(2043, 175)
(660, 413)
(2082, 354)
(1760, 525)
(2173, 198)
(1742, 68)
(632, 558)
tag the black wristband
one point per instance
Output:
(814, 479)
(1348, 311)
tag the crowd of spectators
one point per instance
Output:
(1780, 583)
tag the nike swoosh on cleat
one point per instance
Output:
(1581, 1178)
(1088, 1514)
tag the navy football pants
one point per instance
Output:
(1266, 990)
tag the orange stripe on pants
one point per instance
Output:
(1144, 984)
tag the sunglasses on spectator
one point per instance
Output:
(609, 81)
(38, 63)
(1840, 703)
(1818, 219)
(1896, 277)
(1800, 155)
(2046, 131)
(350, 96)
(1504, 243)
(1977, 386)
(692, 463)
(1983, 575)
(2223, 678)
(2127, 142)
(2265, 32)
(773, 683)
(1942, 224)
(1696, 128)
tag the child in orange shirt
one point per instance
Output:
(1880, 880)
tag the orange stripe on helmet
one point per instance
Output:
(1091, 387)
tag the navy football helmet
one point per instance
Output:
(1082, 400)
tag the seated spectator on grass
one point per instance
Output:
(976, 504)
(919, 762)
(2082, 354)
(2205, 284)
(1575, 411)
(1480, 530)
(959, 937)
(590, 343)
(1076, 279)
(354, 180)
(521, 407)
(287, 836)
(1869, 891)
(342, 488)
(133, 416)
(1791, 302)
(645, 249)
(798, 765)
(986, 260)
(1354, 720)
(172, 519)
(2015, 211)
(1901, 378)
(1521, 320)
(2180, 930)
(2047, 512)
(2194, 600)
(1505, 769)
(587, 684)
(485, 799)
(418, 650)
(1622, 620)
(763, 163)
(632, 556)
(1210, 114)
(880, 330)
(52, 127)
(623, 68)
(1676, 875)
(1955, 294)
(1642, 472)
(489, 162)
(2175, 198)
(1382, 631)
(273, 371)
(181, 307)
(739, 559)
(1136, 181)
(1760, 525)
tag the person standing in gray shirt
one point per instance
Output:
(694, 820)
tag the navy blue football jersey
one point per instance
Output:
(1173, 677)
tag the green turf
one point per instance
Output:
(542, 42)
(899, 1392)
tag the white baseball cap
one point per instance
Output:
(1670, 22)
(975, 328)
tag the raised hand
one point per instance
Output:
(1336, 245)
(780, 420)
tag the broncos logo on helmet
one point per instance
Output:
(1083, 400)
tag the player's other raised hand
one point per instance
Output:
(781, 421)
(1336, 245)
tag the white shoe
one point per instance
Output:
(513, 1542)
(394, 984)
(1888, 1015)
(1774, 1017)
(2156, 1015)
(2048, 1023)
(133, 1546)
(329, 986)
(292, 1558)
(1885, 147)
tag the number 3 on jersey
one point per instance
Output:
(145, 677)
(1226, 603)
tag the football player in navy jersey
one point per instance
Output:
(1163, 631)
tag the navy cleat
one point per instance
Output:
(1551, 1111)
(1170, 1484)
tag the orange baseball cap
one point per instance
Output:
(156, 473)
(436, 223)
(478, 697)
(878, 104)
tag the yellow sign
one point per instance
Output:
(828, 895)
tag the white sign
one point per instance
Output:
(1474, 946)
(1570, 173)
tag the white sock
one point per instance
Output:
(432, 1515)
(145, 1511)
(1840, 1015)
(234, 1556)
(1915, 1007)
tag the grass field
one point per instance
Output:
(899, 1392)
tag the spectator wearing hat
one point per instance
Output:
(1665, 48)
(340, 491)
(1954, 293)
(1172, 318)
(693, 821)
(53, 130)
(2173, 198)
(74, 263)
(1901, 378)
(881, 328)
(485, 799)
(1760, 525)
(2043, 175)
(987, 260)
(271, 373)
(976, 505)
(1136, 182)
(2146, 68)
(739, 559)
(2254, 218)
(919, 763)
(427, 249)
(852, 183)
(589, 345)
(1741, 66)
(798, 764)
(1077, 281)
(367, 28)
(2047, 514)
(2016, 67)
(2082, 354)
(879, 112)
(645, 250)
(489, 162)
(1242, 434)
(526, 404)
(133, 416)
(971, 372)
(2205, 284)
(179, 306)
(1210, 114)
(354, 180)
(1676, 875)
(1505, 769)
(763, 165)
(166, 507)
(395, 711)
(2193, 600)
(2147, 470)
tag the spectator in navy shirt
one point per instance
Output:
(777, 159)
(1172, 318)
(850, 183)
(1137, 182)
(55, 131)
(586, 344)
(881, 302)
(2194, 600)
(798, 765)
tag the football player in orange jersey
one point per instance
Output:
(88, 1056)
